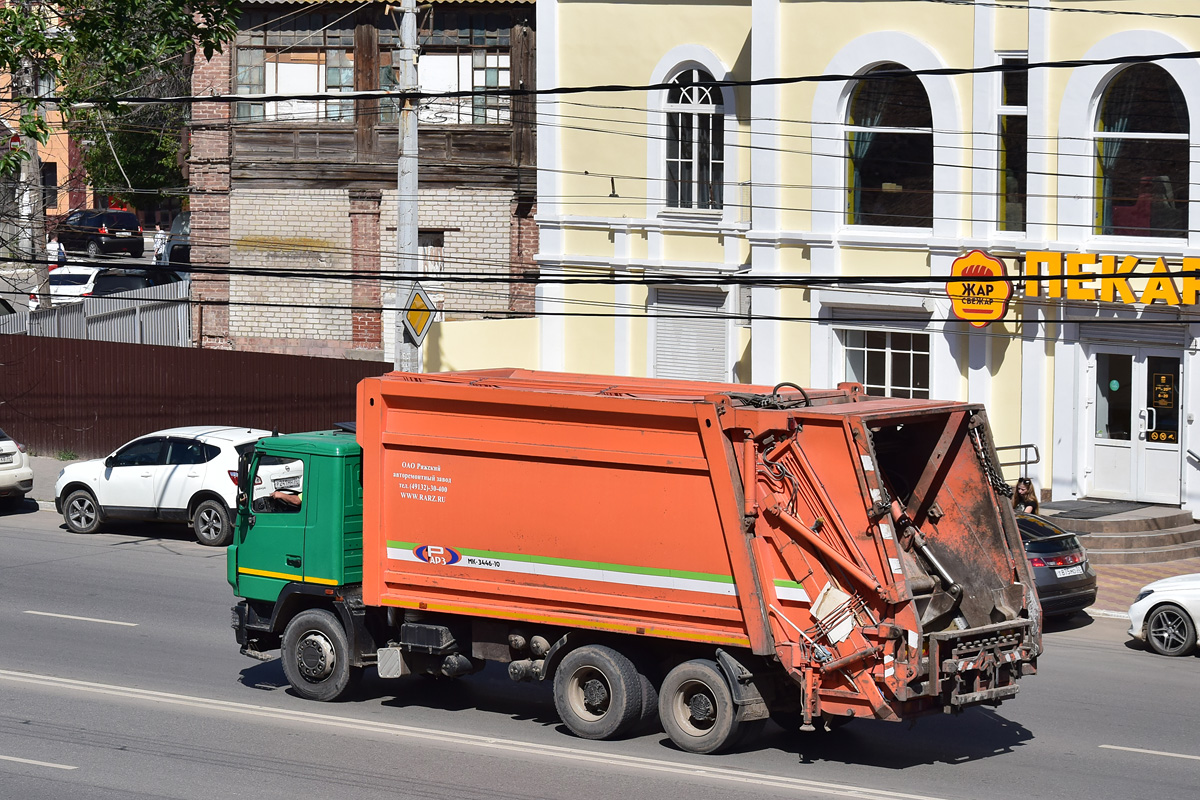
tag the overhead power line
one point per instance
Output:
(876, 75)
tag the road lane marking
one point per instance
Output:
(713, 773)
(1148, 752)
(49, 764)
(84, 619)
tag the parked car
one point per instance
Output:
(70, 284)
(179, 247)
(102, 230)
(1065, 581)
(6, 307)
(177, 475)
(16, 476)
(1164, 615)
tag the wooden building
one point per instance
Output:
(289, 194)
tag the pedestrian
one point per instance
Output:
(55, 252)
(160, 245)
(1025, 497)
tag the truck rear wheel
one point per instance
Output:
(598, 693)
(697, 709)
(316, 656)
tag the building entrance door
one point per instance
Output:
(1135, 402)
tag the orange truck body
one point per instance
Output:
(862, 545)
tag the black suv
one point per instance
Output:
(99, 230)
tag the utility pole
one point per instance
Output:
(31, 209)
(408, 353)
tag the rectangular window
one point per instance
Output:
(461, 51)
(1014, 144)
(302, 54)
(432, 245)
(49, 185)
(888, 363)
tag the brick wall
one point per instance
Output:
(208, 167)
(478, 238)
(291, 231)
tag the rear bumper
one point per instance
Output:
(121, 244)
(982, 665)
(15, 482)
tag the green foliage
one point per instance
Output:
(101, 49)
(67, 455)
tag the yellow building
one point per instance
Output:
(804, 229)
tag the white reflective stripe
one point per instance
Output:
(888, 659)
(579, 573)
(795, 593)
(889, 672)
(895, 562)
(885, 530)
(868, 464)
(912, 638)
(875, 495)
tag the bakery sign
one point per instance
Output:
(978, 290)
(1111, 279)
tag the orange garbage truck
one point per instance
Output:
(715, 555)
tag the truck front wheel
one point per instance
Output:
(697, 709)
(316, 656)
(598, 693)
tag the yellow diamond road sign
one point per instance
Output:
(419, 312)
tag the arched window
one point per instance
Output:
(1142, 155)
(889, 148)
(695, 142)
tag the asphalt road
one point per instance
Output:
(119, 678)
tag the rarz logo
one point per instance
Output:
(433, 554)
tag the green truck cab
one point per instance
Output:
(297, 548)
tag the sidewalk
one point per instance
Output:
(1118, 584)
(45, 473)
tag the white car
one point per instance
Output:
(16, 476)
(1165, 613)
(177, 475)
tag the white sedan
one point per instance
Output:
(1165, 613)
(178, 475)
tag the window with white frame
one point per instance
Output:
(1142, 155)
(295, 55)
(889, 150)
(1014, 143)
(887, 363)
(695, 142)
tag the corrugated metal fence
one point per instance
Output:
(90, 397)
(158, 315)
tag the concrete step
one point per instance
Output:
(1183, 534)
(1146, 555)
(1154, 518)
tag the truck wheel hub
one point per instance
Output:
(700, 708)
(595, 696)
(314, 656)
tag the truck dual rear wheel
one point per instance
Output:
(697, 709)
(598, 693)
(316, 656)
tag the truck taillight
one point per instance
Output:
(103, 231)
(233, 473)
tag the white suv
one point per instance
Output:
(16, 477)
(177, 475)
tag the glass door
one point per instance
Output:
(1158, 443)
(1135, 442)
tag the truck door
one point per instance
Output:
(270, 547)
